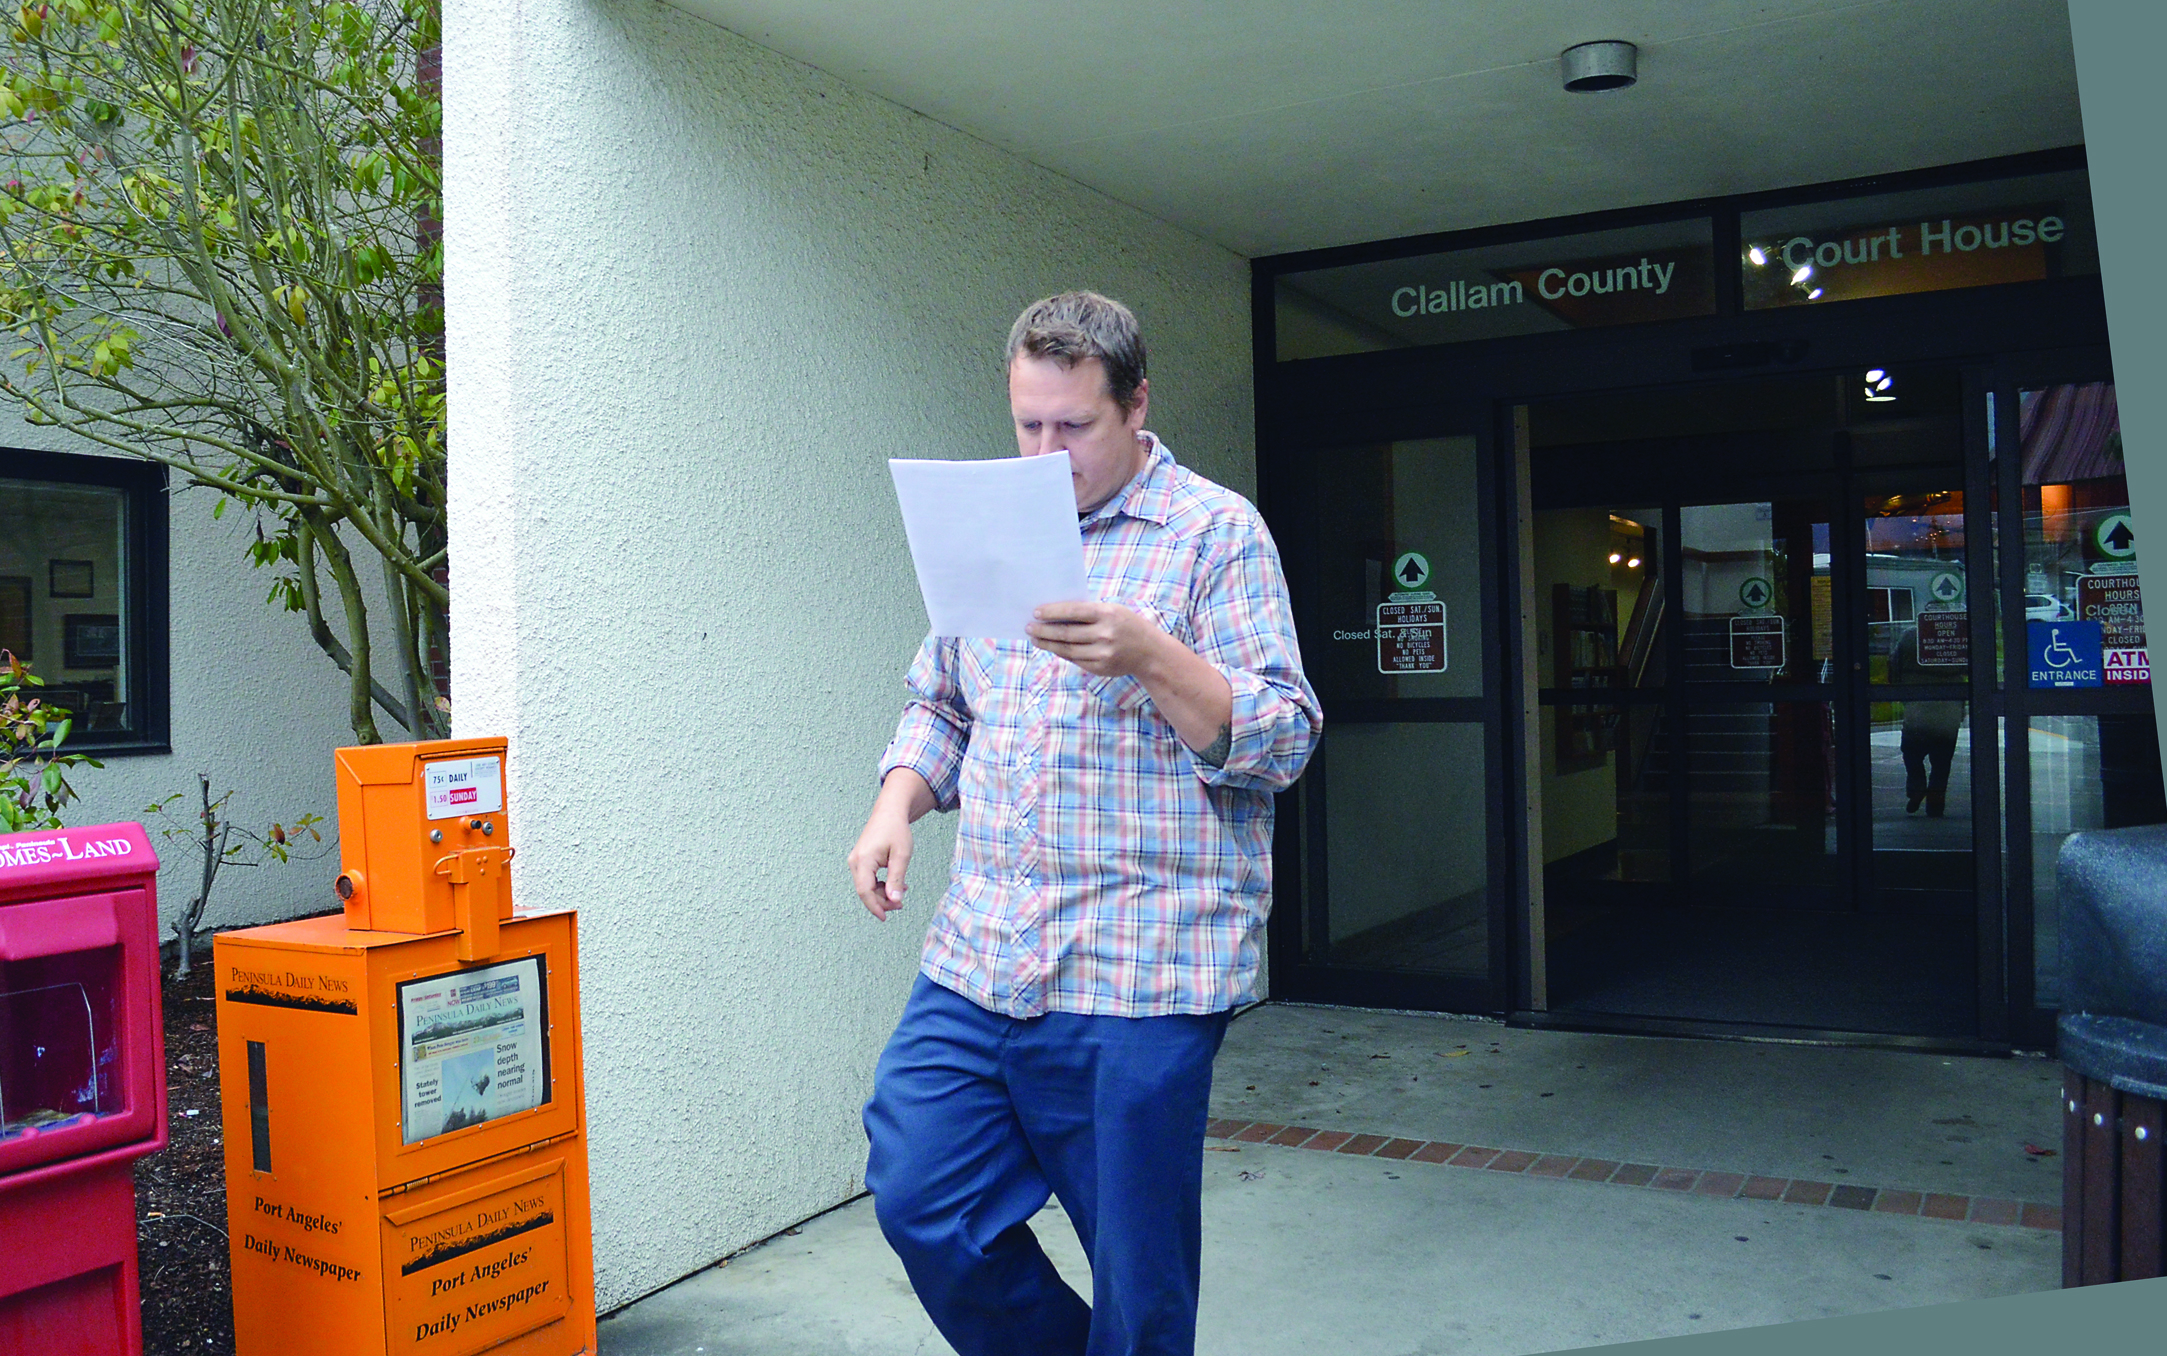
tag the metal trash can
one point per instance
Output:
(2113, 1044)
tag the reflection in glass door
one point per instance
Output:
(2085, 744)
(1918, 666)
(1756, 795)
(1760, 715)
(1602, 639)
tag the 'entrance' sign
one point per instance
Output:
(1410, 638)
(2065, 654)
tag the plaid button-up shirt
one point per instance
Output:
(1101, 867)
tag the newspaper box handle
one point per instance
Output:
(477, 883)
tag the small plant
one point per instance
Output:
(211, 840)
(33, 770)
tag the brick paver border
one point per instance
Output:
(1649, 1176)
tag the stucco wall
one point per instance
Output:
(698, 293)
(254, 703)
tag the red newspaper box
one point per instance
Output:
(82, 1084)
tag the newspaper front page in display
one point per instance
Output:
(471, 1047)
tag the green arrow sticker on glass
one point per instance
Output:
(1756, 592)
(1946, 587)
(1411, 571)
(2116, 536)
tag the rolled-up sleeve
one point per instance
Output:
(935, 729)
(1245, 629)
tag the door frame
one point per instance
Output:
(1842, 490)
(1300, 850)
(1996, 334)
(2029, 1025)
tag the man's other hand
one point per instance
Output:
(886, 841)
(885, 845)
(1105, 639)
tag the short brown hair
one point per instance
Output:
(1077, 326)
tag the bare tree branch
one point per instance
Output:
(218, 253)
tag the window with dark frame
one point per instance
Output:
(83, 592)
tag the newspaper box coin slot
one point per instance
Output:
(415, 1176)
(82, 1084)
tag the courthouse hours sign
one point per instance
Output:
(2116, 602)
(1944, 639)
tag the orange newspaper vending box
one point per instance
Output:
(406, 1158)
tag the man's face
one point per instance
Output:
(1069, 409)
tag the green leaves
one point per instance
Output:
(33, 772)
(113, 352)
(219, 250)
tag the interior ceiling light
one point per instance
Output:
(1633, 564)
(1879, 384)
(1593, 66)
(1759, 256)
(1814, 295)
(1615, 557)
(1804, 272)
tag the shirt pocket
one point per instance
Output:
(985, 675)
(1125, 694)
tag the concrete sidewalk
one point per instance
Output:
(1357, 1244)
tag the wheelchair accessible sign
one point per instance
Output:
(2066, 654)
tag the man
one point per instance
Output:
(1930, 728)
(1111, 878)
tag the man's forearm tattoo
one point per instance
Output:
(1219, 748)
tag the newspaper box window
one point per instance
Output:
(473, 1047)
(58, 1043)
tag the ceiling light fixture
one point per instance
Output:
(1593, 66)
(1804, 272)
(1615, 557)
(1759, 256)
(1633, 564)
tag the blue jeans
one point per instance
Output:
(976, 1119)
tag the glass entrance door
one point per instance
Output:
(1759, 702)
(1917, 801)
(1400, 898)
(1755, 668)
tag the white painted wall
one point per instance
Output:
(697, 294)
(254, 703)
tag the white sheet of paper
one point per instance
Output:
(992, 540)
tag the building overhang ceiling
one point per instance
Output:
(1281, 125)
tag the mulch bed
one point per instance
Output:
(180, 1193)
